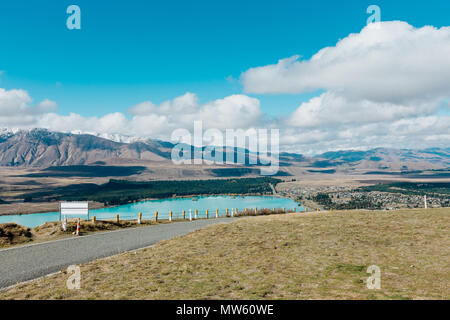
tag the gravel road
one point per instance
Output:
(32, 261)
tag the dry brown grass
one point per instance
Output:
(12, 233)
(294, 256)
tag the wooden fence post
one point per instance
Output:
(117, 218)
(206, 213)
(156, 215)
(184, 214)
(93, 219)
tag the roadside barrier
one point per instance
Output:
(77, 231)
(194, 214)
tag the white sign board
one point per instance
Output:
(77, 208)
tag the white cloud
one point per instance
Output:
(383, 87)
(158, 121)
(44, 106)
(16, 108)
(13, 101)
(331, 108)
(309, 131)
(186, 103)
(395, 62)
(236, 111)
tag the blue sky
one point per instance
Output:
(132, 51)
(147, 68)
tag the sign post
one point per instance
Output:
(75, 208)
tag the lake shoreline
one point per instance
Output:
(48, 207)
(175, 207)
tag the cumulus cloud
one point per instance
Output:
(331, 108)
(144, 120)
(394, 62)
(110, 123)
(382, 87)
(235, 111)
(16, 108)
(324, 123)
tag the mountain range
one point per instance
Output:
(44, 148)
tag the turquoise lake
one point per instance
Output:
(163, 206)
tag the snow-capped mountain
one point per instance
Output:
(41, 147)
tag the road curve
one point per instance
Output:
(33, 261)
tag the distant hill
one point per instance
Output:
(383, 154)
(385, 158)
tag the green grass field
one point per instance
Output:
(294, 256)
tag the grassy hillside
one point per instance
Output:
(294, 256)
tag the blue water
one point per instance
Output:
(163, 206)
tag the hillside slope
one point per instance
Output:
(294, 256)
(42, 148)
